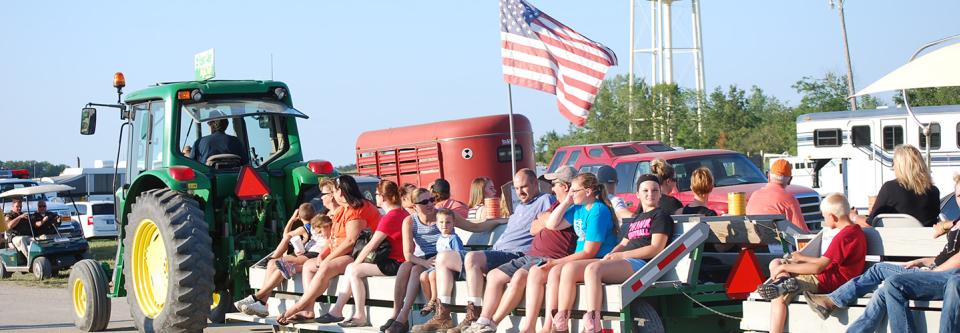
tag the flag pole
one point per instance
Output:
(513, 145)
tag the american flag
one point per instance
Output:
(542, 53)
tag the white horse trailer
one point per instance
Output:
(852, 151)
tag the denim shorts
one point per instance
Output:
(497, 258)
(526, 262)
(637, 264)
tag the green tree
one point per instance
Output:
(828, 94)
(931, 96)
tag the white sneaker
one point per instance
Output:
(242, 304)
(257, 309)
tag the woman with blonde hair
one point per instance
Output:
(668, 183)
(481, 188)
(640, 240)
(588, 210)
(701, 183)
(912, 193)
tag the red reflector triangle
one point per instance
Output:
(744, 277)
(250, 186)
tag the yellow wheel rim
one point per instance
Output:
(79, 298)
(149, 268)
(216, 300)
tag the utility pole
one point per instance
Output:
(846, 48)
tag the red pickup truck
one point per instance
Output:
(732, 172)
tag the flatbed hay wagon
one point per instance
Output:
(682, 289)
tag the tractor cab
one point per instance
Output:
(50, 245)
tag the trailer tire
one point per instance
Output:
(168, 263)
(647, 320)
(223, 304)
(42, 269)
(88, 290)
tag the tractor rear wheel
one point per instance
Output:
(42, 268)
(168, 263)
(88, 290)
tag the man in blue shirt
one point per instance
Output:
(218, 142)
(513, 243)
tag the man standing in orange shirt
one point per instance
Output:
(774, 198)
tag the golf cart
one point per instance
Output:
(48, 252)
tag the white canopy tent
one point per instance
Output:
(939, 68)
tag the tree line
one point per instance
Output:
(748, 121)
(37, 169)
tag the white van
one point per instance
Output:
(96, 218)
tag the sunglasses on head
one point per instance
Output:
(426, 201)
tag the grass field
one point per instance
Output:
(103, 250)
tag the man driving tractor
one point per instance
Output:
(218, 142)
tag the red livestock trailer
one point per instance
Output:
(456, 150)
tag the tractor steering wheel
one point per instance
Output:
(222, 161)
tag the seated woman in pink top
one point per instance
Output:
(441, 192)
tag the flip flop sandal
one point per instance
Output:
(351, 323)
(299, 319)
(327, 318)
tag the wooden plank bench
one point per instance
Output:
(884, 244)
(673, 270)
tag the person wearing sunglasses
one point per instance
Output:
(44, 222)
(514, 242)
(256, 304)
(352, 216)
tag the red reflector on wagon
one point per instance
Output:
(249, 185)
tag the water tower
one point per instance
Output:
(661, 48)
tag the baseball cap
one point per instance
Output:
(564, 173)
(607, 175)
(781, 167)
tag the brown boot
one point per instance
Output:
(820, 304)
(473, 313)
(440, 322)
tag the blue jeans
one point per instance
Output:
(865, 283)
(950, 316)
(892, 298)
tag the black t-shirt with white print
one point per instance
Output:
(640, 231)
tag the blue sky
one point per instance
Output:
(362, 65)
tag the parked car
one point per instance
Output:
(596, 154)
(96, 219)
(732, 172)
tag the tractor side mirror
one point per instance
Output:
(88, 121)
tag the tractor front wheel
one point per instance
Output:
(88, 290)
(168, 263)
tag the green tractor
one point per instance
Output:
(214, 169)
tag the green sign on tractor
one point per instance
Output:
(190, 224)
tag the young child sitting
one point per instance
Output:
(318, 230)
(842, 261)
(448, 242)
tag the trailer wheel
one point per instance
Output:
(222, 304)
(647, 318)
(42, 268)
(168, 263)
(88, 290)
